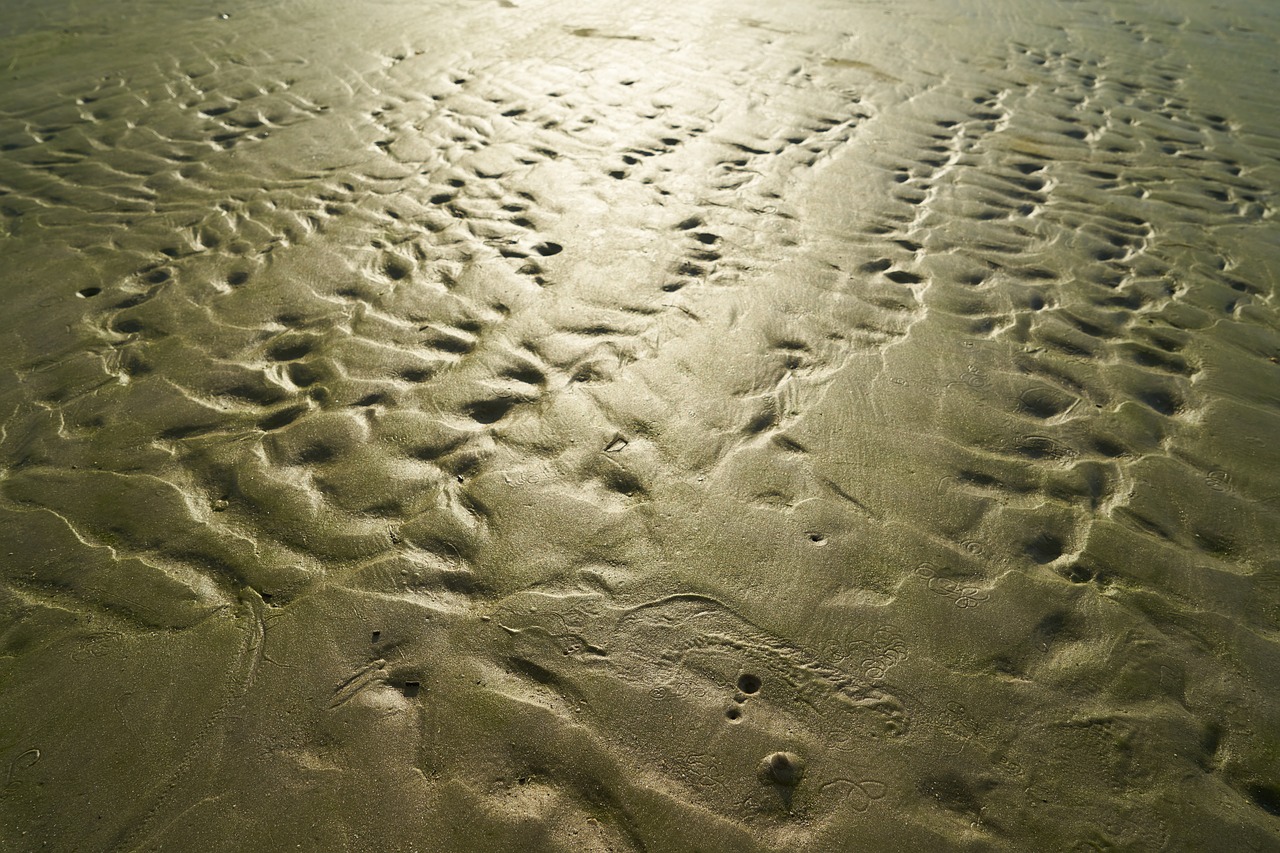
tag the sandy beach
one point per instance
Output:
(522, 425)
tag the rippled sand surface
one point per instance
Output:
(668, 426)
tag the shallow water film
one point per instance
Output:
(521, 425)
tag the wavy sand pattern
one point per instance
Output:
(526, 425)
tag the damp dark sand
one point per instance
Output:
(668, 426)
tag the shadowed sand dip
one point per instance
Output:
(521, 425)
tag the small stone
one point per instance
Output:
(782, 768)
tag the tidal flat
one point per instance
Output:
(521, 425)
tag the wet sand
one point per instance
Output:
(684, 426)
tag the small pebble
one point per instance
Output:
(782, 768)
